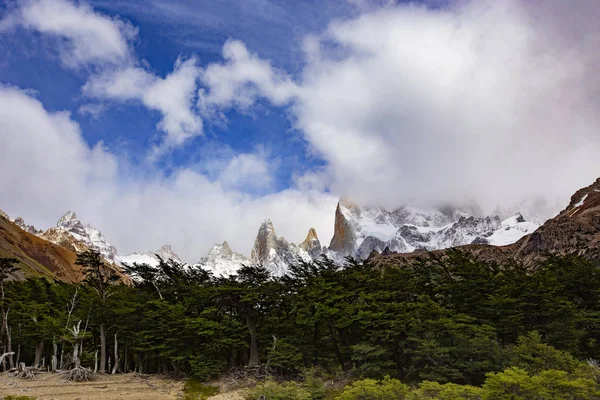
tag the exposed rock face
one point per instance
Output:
(166, 252)
(222, 261)
(576, 230)
(311, 244)
(64, 239)
(343, 241)
(20, 222)
(86, 236)
(275, 253)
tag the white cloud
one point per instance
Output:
(84, 35)
(46, 168)
(247, 172)
(482, 100)
(241, 79)
(172, 96)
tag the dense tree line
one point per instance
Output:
(452, 320)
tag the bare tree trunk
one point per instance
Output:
(102, 349)
(54, 364)
(11, 361)
(76, 355)
(18, 353)
(38, 354)
(125, 362)
(96, 362)
(116, 366)
(3, 356)
(76, 339)
(253, 359)
(140, 363)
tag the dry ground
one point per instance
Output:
(107, 387)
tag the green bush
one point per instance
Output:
(271, 390)
(314, 383)
(370, 389)
(516, 384)
(11, 397)
(196, 390)
(448, 391)
(534, 356)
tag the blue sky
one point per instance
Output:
(190, 122)
(168, 30)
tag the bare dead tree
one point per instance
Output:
(77, 373)
(115, 368)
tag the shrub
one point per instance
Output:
(516, 384)
(196, 390)
(448, 391)
(534, 356)
(370, 389)
(271, 390)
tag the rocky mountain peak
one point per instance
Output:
(69, 216)
(87, 236)
(4, 215)
(266, 240)
(343, 240)
(221, 260)
(311, 244)
(275, 253)
(166, 252)
(226, 248)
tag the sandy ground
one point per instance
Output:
(232, 395)
(108, 387)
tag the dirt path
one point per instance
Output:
(108, 387)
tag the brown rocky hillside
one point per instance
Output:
(38, 257)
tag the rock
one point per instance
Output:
(275, 253)
(221, 260)
(311, 244)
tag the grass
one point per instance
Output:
(11, 397)
(196, 390)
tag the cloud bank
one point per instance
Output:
(48, 167)
(483, 101)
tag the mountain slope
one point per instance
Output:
(37, 257)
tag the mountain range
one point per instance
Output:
(404, 234)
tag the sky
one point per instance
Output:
(190, 122)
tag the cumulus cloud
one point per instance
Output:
(482, 100)
(46, 166)
(84, 36)
(172, 96)
(241, 79)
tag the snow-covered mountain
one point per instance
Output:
(222, 261)
(360, 231)
(275, 253)
(69, 227)
(150, 257)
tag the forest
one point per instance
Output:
(451, 325)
